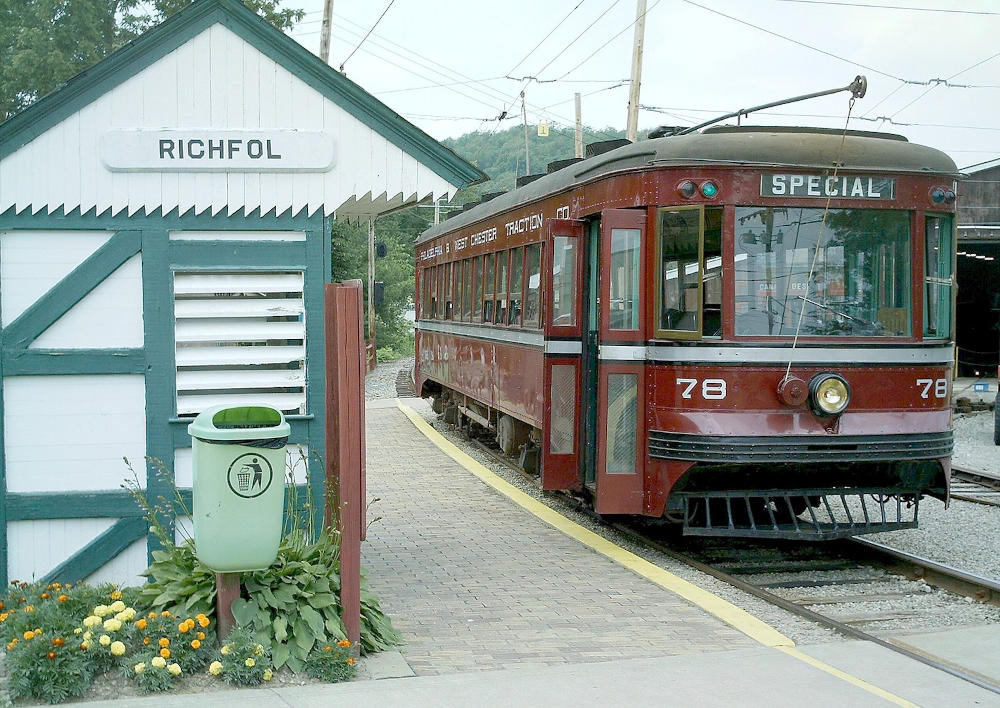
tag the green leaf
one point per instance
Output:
(280, 625)
(244, 611)
(279, 654)
(314, 620)
(296, 664)
(304, 637)
(335, 628)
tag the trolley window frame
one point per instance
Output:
(681, 334)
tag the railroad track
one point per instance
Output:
(856, 587)
(975, 486)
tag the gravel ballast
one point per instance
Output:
(965, 535)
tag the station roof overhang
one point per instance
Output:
(218, 68)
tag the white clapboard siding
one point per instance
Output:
(259, 378)
(218, 316)
(235, 356)
(31, 262)
(36, 547)
(191, 404)
(70, 432)
(236, 283)
(109, 316)
(215, 80)
(125, 568)
(242, 330)
(249, 307)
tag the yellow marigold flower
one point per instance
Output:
(343, 643)
(141, 624)
(62, 598)
(29, 608)
(125, 615)
(11, 645)
(165, 653)
(259, 650)
(183, 628)
(327, 648)
(350, 661)
(145, 640)
(164, 642)
(204, 621)
(158, 661)
(84, 645)
(174, 669)
(195, 644)
(29, 635)
(201, 636)
(38, 630)
(225, 650)
(112, 625)
(215, 668)
(166, 613)
(88, 634)
(91, 621)
(117, 649)
(151, 615)
(116, 595)
(250, 662)
(117, 605)
(4, 616)
(104, 640)
(267, 675)
(102, 610)
(139, 667)
(45, 596)
(78, 630)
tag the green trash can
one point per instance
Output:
(238, 491)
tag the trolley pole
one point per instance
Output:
(324, 35)
(632, 132)
(579, 126)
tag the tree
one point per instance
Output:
(43, 43)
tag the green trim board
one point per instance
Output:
(39, 362)
(191, 21)
(98, 553)
(212, 255)
(38, 506)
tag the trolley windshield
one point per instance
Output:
(845, 275)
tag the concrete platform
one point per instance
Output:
(504, 603)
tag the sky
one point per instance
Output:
(444, 65)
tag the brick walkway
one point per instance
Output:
(473, 582)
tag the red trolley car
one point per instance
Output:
(747, 330)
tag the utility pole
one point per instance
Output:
(324, 35)
(437, 212)
(579, 127)
(524, 117)
(371, 287)
(632, 132)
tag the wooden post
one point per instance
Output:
(632, 129)
(578, 134)
(345, 441)
(227, 589)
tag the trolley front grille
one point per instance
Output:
(799, 448)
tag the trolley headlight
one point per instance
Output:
(829, 394)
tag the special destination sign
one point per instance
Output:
(208, 150)
(838, 187)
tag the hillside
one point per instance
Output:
(501, 154)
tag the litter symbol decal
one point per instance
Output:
(250, 475)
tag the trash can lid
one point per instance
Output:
(224, 422)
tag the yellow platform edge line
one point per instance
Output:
(729, 613)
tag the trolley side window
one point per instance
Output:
(516, 286)
(843, 273)
(500, 308)
(938, 248)
(711, 319)
(679, 233)
(625, 267)
(488, 287)
(477, 288)
(564, 281)
(533, 274)
(454, 294)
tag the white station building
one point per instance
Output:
(164, 242)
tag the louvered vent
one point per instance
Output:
(240, 338)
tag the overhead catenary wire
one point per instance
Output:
(391, 3)
(876, 6)
(543, 39)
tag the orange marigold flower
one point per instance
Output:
(58, 642)
(165, 653)
(327, 648)
(204, 621)
(141, 624)
(29, 608)
(62, 598)
(1, 604)
(50, 656)
(350, 661)
(195, 644)
(45, 596)
(164, 642)
(145, 640)
(344, 643)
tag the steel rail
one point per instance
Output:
(984, 479)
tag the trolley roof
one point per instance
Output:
(752, 146)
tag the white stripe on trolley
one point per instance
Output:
(833, 354)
